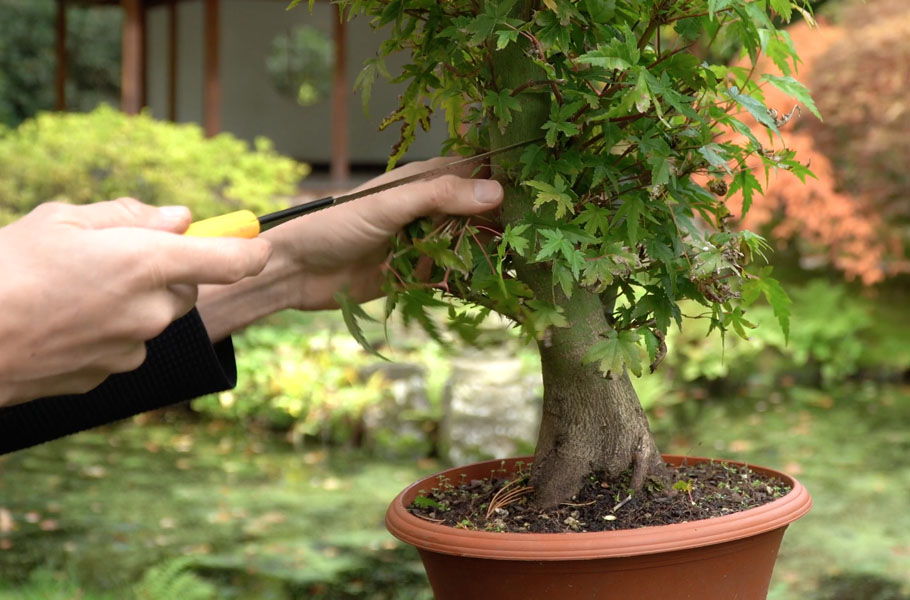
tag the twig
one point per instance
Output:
(621, 504)
(426, 518)
(572, 504)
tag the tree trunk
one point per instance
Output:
(589, 423)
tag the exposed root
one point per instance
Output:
(507, 495)
(647, 463)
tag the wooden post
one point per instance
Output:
(60, 87)
(340, 168)
(212, 101)
(131, 71)
(172, 60)
(143, 54)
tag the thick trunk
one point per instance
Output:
(589, 423)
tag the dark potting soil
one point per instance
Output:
(504, 502)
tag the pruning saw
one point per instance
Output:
(245, 224)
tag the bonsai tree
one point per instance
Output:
(614, 214)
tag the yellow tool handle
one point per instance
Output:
(241, 223)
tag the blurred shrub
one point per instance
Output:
(856, 586)
(305, 379)
(853, 216)
(105, 154)
(308, 383)
(833, 336)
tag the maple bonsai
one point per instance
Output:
(615, 215)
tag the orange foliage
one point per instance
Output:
(853, 216)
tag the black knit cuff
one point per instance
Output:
(181, 364)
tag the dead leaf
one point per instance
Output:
(793, 468)
(7, 523)
(740, 445)
(49, 525)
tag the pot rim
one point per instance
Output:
(591, 545)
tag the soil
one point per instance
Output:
(504, 502)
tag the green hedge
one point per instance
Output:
(105, 154)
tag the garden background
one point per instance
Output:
(278, 488)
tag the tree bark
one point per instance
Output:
(589, 423)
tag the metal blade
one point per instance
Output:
(431, 173)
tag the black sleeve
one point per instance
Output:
(181, 364)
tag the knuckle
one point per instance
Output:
(86, 383)
(131, 206)
(130, 360)
(47, 209)
(186, 296)
(150, 325)
(446, 190)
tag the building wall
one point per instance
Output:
(250, 105)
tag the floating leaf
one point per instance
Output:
(353, 313)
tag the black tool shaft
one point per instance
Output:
(277, 218)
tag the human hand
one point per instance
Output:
(343, 247)
(84, 287)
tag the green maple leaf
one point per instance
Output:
(745, 182)
(511, 238)
(620, 350)
(353, 313)
(783, 8)
(557, 192)
(738, 322)
(555, 244)
(542, 316)
(755, 108)
(765, 285)
(502, 103)
(594, 219)
(614, 56)
(715, 155)
(795, 89)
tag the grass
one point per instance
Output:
(850, 450)
(260, 520)
(109, 513)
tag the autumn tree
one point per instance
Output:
(854, 215)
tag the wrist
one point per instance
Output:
(227, 308)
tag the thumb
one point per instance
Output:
(128, 212)
(444, 195)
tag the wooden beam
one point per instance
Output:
(172, 60)
(340, 168)
(143, 54)
(60, 84)
(131, 70)
(212, 99)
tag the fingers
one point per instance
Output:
(171, 259)
(124, 212)
(444, 195)
(191, 260)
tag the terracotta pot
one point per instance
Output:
(724, 558)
